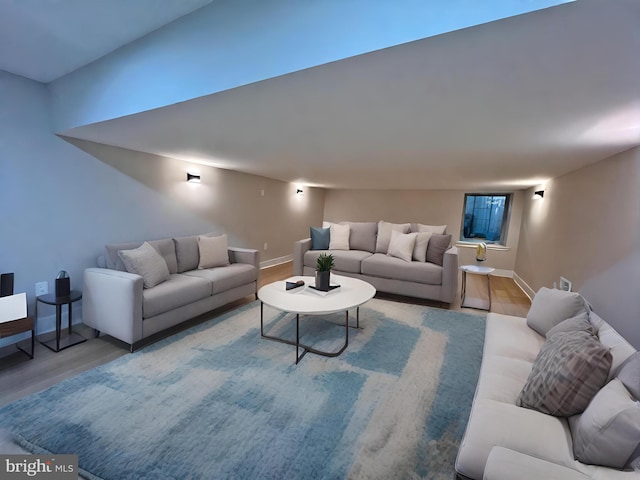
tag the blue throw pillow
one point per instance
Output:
(320, 238)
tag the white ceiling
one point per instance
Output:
(501, 106)
(46, 39)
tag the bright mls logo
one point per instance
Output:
(51, 467)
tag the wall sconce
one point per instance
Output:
(299, 191)
(538, 194)
(193, 177)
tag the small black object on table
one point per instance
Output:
(71, 339)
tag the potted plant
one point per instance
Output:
(323, 271)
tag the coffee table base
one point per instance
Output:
(307, 348)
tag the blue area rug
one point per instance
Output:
(218, 401)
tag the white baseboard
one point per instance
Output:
(276, 261)
(503, 273)
(528, 291)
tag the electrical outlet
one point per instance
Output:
(265, 245)
(565, 284)
(42, 288)
(262, 193)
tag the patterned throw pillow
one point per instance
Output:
(568, 371)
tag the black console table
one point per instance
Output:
(71, 339)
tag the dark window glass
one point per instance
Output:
(485, 217)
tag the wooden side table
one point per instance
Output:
(20, 325)
(477, 303)
(71, 339)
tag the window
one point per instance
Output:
(486, 217)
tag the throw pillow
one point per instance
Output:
(420, 249)
(579, 323)
(629, 374)
(608, 431)
(401, 245)
(214, 251)
(384, 234)
(339, 237)
(568, 371)
(550, 306)
(438, 244)
(362, 235)
(146, 262)
(438, 229)
(320, 238)
(187, 253)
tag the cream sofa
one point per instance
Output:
(504, 441)
(363, 260)
(116, 303)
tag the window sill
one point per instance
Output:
(490, 246)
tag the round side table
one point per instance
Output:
(71, 339)
(477, 303)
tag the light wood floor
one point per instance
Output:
(20, 376)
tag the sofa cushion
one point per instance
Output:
(214, 251)
(437, 229)
(420, 248)
(164, 247)
(362, 235)
(319, 238)
(401, 245)
(384, 266)
(339, 237)
(146, 262)
(384, 234)
(608, 431)
(226, 278)
(629, 374)
(179, 290)
(620, 349)
(579, 323)
(567, 373)
(187, 254)
(551, 306)
(438, 244)
(503, 462)
(344, 260)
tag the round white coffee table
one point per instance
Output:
(303, 301)
(477, 303)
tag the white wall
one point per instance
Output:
(60, 205)
(230, 43)
(587, 229)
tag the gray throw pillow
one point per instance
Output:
(438, 244)
(608, 432)
(420, 248)
(384, 234)
(551, 306)
(579, 323)
(187, 253)
(362, 235)
(146, 262)
(568, 371)
(629, 374)
(214, 251)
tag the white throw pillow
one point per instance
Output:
(384, 234)
(339, 237)
(438, 229)
(420, 249)
(551, 306)
(608, 431)
(214, 251)
(401, 245)
(146, 262)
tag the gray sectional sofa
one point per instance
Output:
(364, 253)
(125, 305)
(509, 437)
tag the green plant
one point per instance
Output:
(325, 262)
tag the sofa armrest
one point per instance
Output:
(112, 303)
(450, 275)
(245, 255)
(506, 464)
(299, 249)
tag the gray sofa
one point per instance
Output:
(115, 302)
(367, 261)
